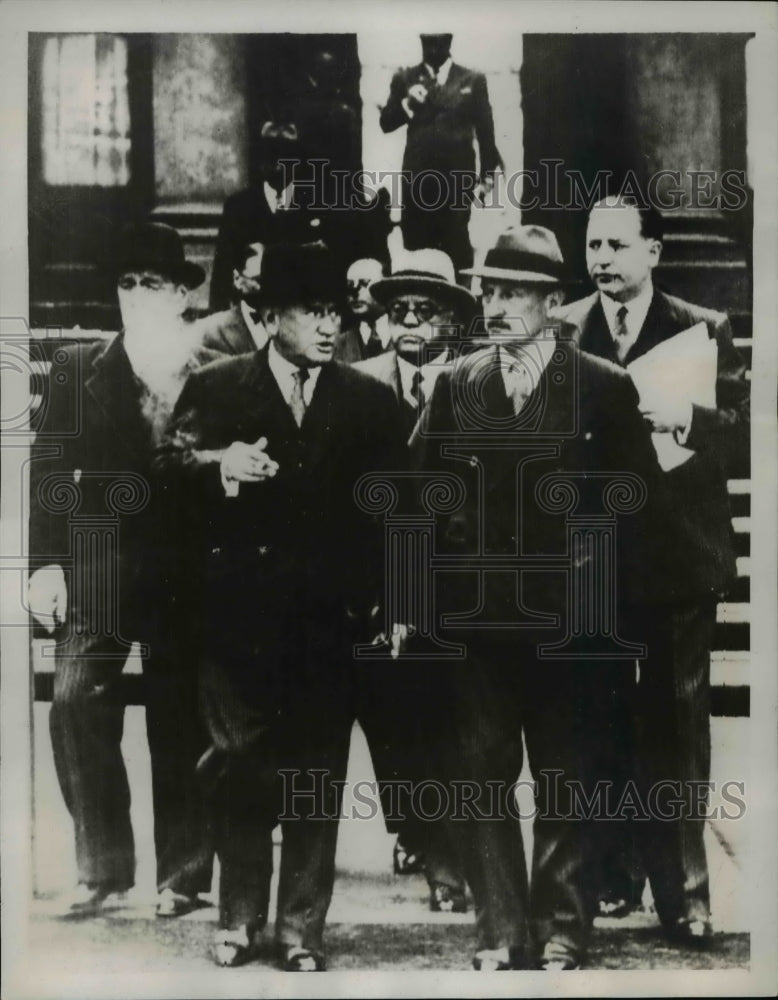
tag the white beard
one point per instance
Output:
(158, 359)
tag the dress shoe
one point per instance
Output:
(90, 900)
(176, 904)
(692, 933)
(234, 946)
(405, 860)
(444, 899)
(298, 959)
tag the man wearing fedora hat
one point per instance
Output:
(270, 447)
(95, 599)
(527, 405)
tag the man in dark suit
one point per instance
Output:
(271, 445)
(364, 333)
(104, 563)
(290, 203)
(280, 207)
(444, 106)
(534, 430)
(622, 322)
(239, 329)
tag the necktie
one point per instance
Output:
(416, 389)
(297, 400)
(621, 333)
(373, 347)
(520, 385)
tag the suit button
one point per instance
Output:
(588, 436)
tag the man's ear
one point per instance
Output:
(655, 249)
(269, 320)
(183, 294)
(555, 299)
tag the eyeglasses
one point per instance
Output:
(425, 310)
(152, 282)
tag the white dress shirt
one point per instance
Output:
(283, 372)
(441, 77)
(522, 367)
(429, 374)
(381, 328)
(278, 200)
(637, 310)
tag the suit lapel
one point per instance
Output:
(238, 335)
(113, 387)
(659, 324)
(595, 335)
(265, 405)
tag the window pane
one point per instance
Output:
(86, 111)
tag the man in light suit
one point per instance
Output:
(529, 409)
(91, 468)
(239, 329)
(444, 106)
(270, 446)
(624, 319)
(424, 307)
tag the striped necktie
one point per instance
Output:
(297, 399)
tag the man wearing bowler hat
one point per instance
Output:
(525, 422)
(97, 591)
(270, 447)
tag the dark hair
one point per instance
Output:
(651, 221)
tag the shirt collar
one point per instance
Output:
(637, 309)
(284, 371)
(276, 200)
(442, 74)
(537, 354)
(429, 372)
(380, 327)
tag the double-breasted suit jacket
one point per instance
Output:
(95, 512)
